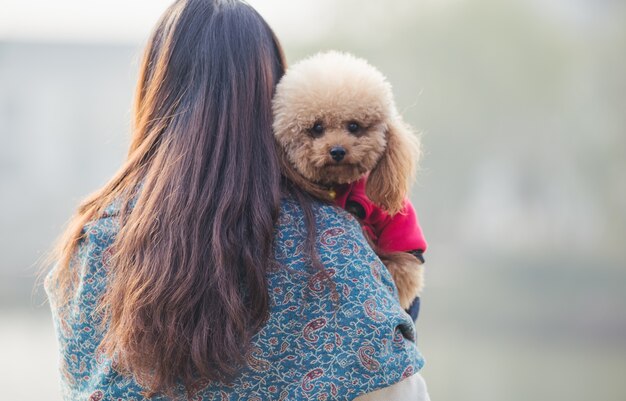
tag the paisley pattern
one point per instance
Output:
(321, 342)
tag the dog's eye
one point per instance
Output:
(353, 127)
(317, 129)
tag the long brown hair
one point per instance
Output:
(188, 287)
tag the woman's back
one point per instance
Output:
(167, 277)
(339, 340)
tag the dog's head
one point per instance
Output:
(335, 120)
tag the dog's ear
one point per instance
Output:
(388, 183)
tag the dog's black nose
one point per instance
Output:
(337, 153)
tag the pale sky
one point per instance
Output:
(130, 21)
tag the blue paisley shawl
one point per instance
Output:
(314, 346)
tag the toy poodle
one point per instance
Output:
(337, 125)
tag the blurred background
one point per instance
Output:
(521, 107)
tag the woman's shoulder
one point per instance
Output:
(88, 265)
(343, 324)
(342, 248)
(292, 219)
(339, 237)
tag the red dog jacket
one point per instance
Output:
(398, 233)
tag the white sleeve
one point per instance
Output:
(412, 388)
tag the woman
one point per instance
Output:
(198, 271)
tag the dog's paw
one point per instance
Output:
(407, 273)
